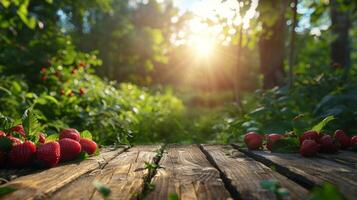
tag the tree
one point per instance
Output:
(340, 26)
(271, 43)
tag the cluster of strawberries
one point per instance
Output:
(45, 154)
(311, 142)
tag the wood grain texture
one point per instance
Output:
(246, 174)
(344, 157)
(40, 185)
(318, 170)
(123, 175)
(185, 171)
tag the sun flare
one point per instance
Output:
(203, 45)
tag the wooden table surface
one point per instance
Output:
(204, 172)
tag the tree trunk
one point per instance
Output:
(271, 43)
(340, 25)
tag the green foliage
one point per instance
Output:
(318, 127)
(326, 192)
(6, 190)
(274, 186)
(286, 145)
(102, 189)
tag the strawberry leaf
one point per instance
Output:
(82, 156)
(5, 144)
(86, 134)
(286, 145)
(31, 125)
(5, 123)
(6, 190)
(52, 138)
(318, 127)
(102, 189)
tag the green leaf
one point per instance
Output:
(52, 137)
(282, 192)
(102, 189)
(326, 192)
(5, 144)
(173, 196)
(286, 145)
(6, 190)
(5, 123)
(318, 127)
(270, 185)
(5, 3)
(82, 156)
(5, 90)
(31, 125)
(86, 134)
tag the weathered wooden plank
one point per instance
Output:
(123, 175)
(41, 184)
(246, 174)
(185, 171)
(316, 170)
(344, 157)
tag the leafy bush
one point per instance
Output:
(68, 94)
(281, 110)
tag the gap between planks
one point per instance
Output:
(242, 175)
(310, 172)
(125, 176)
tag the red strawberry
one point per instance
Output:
(70, 133)
(2, 133)
(88, 146)
(312, 135)
(327, 144)
(309, 148)
(343, 139)
(82, 91)
(70, 149)
(42, 138)
(48, 154)
(253, 140)
(19, 129)
(15, 141)
(3, 158)
(21, 154)
(272, 138)
(354, 140)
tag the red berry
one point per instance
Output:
(15, 141)
(88, 146)
(43, 69)
(21, 154)
(48, 155)
(309, 148)
(311, 135)
(74, 71)
(327, 144)
(70, 149)
(70, 133)
(253, 140)
(19, 129)
(71, 94)
(340, 133)
(82, 91)
(343, 139)
(2, 133)
(354, 139)
(43, 78)
(272, 138)
(42, 138)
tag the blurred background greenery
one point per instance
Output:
(147, 71)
